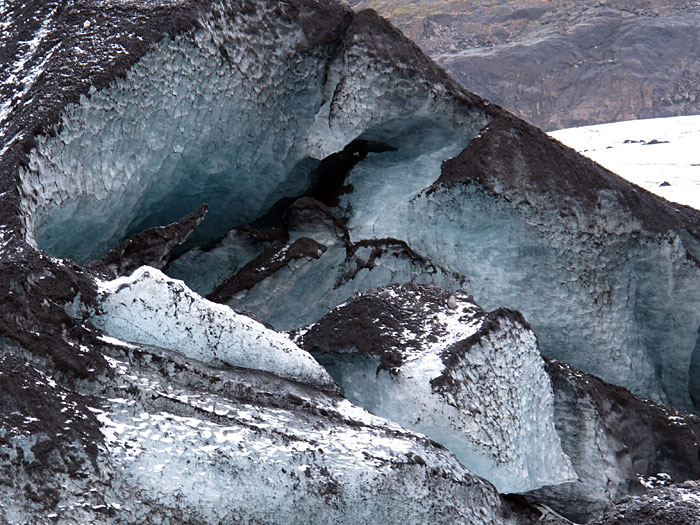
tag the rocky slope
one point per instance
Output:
(333, 157)
(619, 444)
(563, 64)
(673, 504)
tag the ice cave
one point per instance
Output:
(177, 131)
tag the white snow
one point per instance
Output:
(690, 496)
(150, 308)
(674, 159)
(18, 74)
(31, 47)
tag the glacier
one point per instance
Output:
(278, 158)
(436, 363)
(604, 253)
(198, 144)
(164, 438)
(318, 266)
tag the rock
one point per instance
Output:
(152, 247)
(563, 65)
(659, 506)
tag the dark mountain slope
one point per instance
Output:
(563, 64)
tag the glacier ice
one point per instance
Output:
(216, 446)
(600, 291)
(175, 138)
(436, 363)
(614, 440)
(237, 107)
(639, 316)
(200, 119)
(150, 308)
(162, 438)
(309, 260)
(620, 305)
(204, 268)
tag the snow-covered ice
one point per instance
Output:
(261, 450)
(473, 382)
(647, 152)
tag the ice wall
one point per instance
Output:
(605, 298)
(162, 438)
(618, 443)
(324, 283)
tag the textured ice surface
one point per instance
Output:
(646, 152)
(174, 138)
(437, 363)
(318, 266)
(165, 439)
(602, 297)
(151, 308)
(236, 109)
(235, 118)
(600, 294)
(384, 185)
(236, 446)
